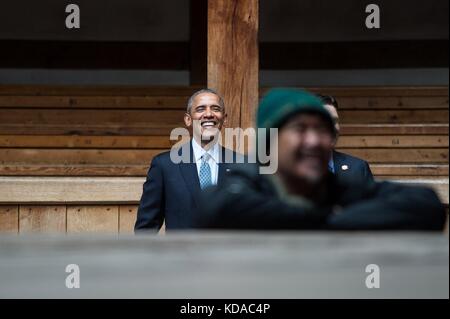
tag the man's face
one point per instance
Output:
(335, 116)
(207, 116)
(304, 146)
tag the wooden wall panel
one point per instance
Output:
(127, 218)
(386, 155)
(102, 219)
(42, 219)
(408, 141)
(9, 219)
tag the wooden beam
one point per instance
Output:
(233, 58)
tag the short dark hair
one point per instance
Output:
(202, 91)
(328, 100)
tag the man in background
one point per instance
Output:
(344, 166)
(171, 191)
(303, 193)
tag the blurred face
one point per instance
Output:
(304, 146)
(334, 115)
(206, 117)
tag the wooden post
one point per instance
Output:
(233, 59)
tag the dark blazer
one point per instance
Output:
(171, 191)
(350, 169)
(249, 200)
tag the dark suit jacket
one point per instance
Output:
(350, 169)
(248, 200)
(171, 191)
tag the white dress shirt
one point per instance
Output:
(213, 160)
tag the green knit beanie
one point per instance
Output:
(280, 104)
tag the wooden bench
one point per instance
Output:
(73, 158)
(92, 204)
(115, 131)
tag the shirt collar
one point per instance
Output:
(199, 151)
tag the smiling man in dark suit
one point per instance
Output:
(171, 191)
(346, 167)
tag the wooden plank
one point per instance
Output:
(393, 116)
(42, 219)
(128, 90)
(387, 91)
(99, 219)
(73, 170)
(229, 264)
(409, 141)
(393, 156)
(80, 190)
(125, 129)
(394, 129)
(180, 102)
(88, 117)
(9, 219)
(377, 102)
(98, 190)
(95, 102)
(17, 157)
(233, 57)
(76, 156)
(88, 142)
(127, 218)
(91, 129)
(96, 90)
(141, 170)
(409, 170)
(89, 122)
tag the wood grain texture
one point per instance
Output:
(42, 219)
(17, 156)
(233, 57)
(408, 141)
(9, 219)
(102, 219)
(393, 156)
(378, 91)
(79, 190)
(95, 102)
(96, 90)
(394, 129)
(416, 170)
(127, 218)
(73, 170)
(77, 141)
(97, 190)
(393, 116)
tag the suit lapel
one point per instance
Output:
(190, 175)
(223, 166)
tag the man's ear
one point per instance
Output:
(335, 139)
(187, 120)
(225, 119)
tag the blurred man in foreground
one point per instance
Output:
(346, 167)
(303, 193)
